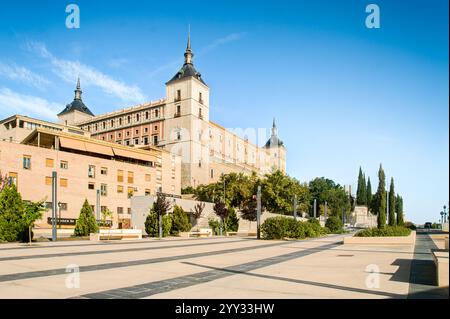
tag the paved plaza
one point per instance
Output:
(218, 268)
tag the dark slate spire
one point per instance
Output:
(188, 68)
(274, 141)
(78, 91)
(77, 103)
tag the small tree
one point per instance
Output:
(32, 213)
(4, 181)
(160, 207)
(221, 210)
(152, 224)
(180, 221)
(197, 213)
(86, 222)
(249, 211)
(11, 211)
(232, 221)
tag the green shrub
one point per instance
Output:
(152, 224)
(232, 221)
(334, 224)
(274, 228)
(180, 221)
(215, 226)
(283, 227)
(387, 231)
(410, 225)
(86, 222)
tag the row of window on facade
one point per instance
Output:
(91, 172)
(135, 141)
(178, 97)
(65, 207)
(129, 120)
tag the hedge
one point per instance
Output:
(334, 224)
(388, 231)
(283, 227)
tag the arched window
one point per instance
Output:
(137, 117)
(129, 119)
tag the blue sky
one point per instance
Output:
(343, 95)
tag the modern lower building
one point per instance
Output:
(89, 169)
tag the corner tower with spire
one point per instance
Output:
(76, 111)
(277, 151)
(187, 112)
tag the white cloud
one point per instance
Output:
(69, 70)
(210, 47)
(22, 74)
(221, 41)
(16, 103)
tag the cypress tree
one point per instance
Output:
(369, 194)
(86, 222)
(392, 208)
(399, 209)
(381, 199)
(359, 191)
(364, 190)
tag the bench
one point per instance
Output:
(199, 234)
(243, 234)
(441, 261)
(116, 234)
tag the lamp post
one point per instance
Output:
(442, 220)
(59, 214)
(295, 207)
(54, 203)
(315, 207)
(258, 212)
(445, 214)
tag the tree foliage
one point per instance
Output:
(249, 210)
(278, 192)
(32, 212)
(180, 221)
(380, 198)
(399, 210)
(361, 195)
(232, 221)
(221, 210)
(86, 222)
(392, 208)
(11, 210)
(369, 194)
(152, 224)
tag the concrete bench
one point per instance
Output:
(116, 234)
(199, 234)
(242, 234)
(441, 261)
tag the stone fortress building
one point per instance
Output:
(180, 123)
(160, 146)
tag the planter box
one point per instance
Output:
(441, 263)
(394, 240)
